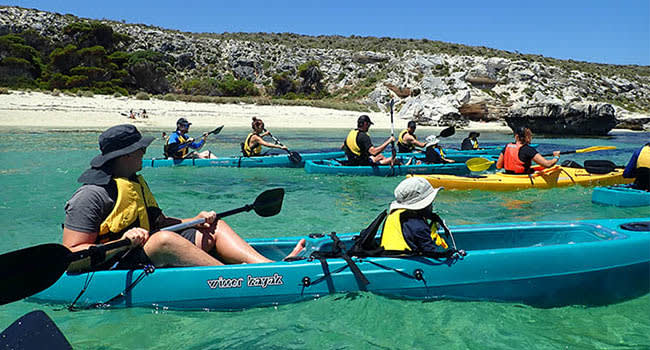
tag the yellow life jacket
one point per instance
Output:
(474, 144)
(351, 142)
(644, 158)
(130, 210)
(405, 147)
(248, 151)
(392, 237)
(180, 153)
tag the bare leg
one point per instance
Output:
(207, 155)
(297, 249)
(232, 248)
(167, 248)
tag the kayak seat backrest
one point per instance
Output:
(599, 166)
(643, 226)
(366, 243)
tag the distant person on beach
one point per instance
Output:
(470, 142)
(407, 141)
(359, 149)
(639, 168)
(115, 202)
(178, 144)
(143, 114)
(131, 114)
(434, 153)
(252, 146)
(517, 157)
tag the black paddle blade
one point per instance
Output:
(295, 157)
(28, 271)
(216, 131)
(446, 132)
(269, 202)
(34, 330)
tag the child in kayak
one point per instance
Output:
(411, 224)
(434, 152)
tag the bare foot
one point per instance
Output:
(297, 249)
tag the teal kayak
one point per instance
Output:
(335, 167)
(620, 196)
(270, 161)
(543, 264)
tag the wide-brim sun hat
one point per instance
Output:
(414, 193)
(118, 141)
(431, 140)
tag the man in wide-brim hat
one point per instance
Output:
(115, 203)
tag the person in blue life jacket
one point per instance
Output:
(470, 142)
(517, 157)
(252, 146)
(434, 153)
(180, 146)
(359, 149)
(115, 203)
(638, 167)
(407, 141)
(411, 224)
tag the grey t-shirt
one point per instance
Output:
(89, 206)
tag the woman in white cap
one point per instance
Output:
(434, 153)
(412, 225)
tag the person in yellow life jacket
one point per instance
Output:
(434, 153)
(359, 149)
(115, 203)
(639, 168)
(407, 141)
(411, 224)
(178, 144)
(470, 142)
(252, 146)
(517, 157)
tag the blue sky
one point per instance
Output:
(613, 31)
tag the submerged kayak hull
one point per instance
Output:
(271, 161)
(334, 167)
(542, 264)
(549, 178)
(620, 196)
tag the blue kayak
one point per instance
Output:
(620, 196)
(336, 167)
(270, 161)
(543, 264)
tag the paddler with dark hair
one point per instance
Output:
(411, 224)
(639, 168)
(470, 142)
(517, 157)
(179, 144)
(252, 146)
(115, 202)
(407, 141)
(359, 149)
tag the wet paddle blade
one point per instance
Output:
(216, 131)
(28, 271)
(269, 202)
(594, 149)
(478, 164)
(295, 157)
(446, 132)
(34, 330)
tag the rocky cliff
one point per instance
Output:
(432, 82)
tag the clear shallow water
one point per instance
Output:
(39, 171)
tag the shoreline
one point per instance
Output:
(25, 109)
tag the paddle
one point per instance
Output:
(294, 157)
(30, 270)
(448, 131)
(34, 330)
(481, 164)
(393, 152)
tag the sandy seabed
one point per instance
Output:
(22, 109)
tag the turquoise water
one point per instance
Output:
(39, 171)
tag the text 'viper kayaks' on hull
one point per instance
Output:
(620, 196)
(270, 161)
(543, 264)
(549, 178)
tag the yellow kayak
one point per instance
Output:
(556, 176)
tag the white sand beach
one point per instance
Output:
(23, 109)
